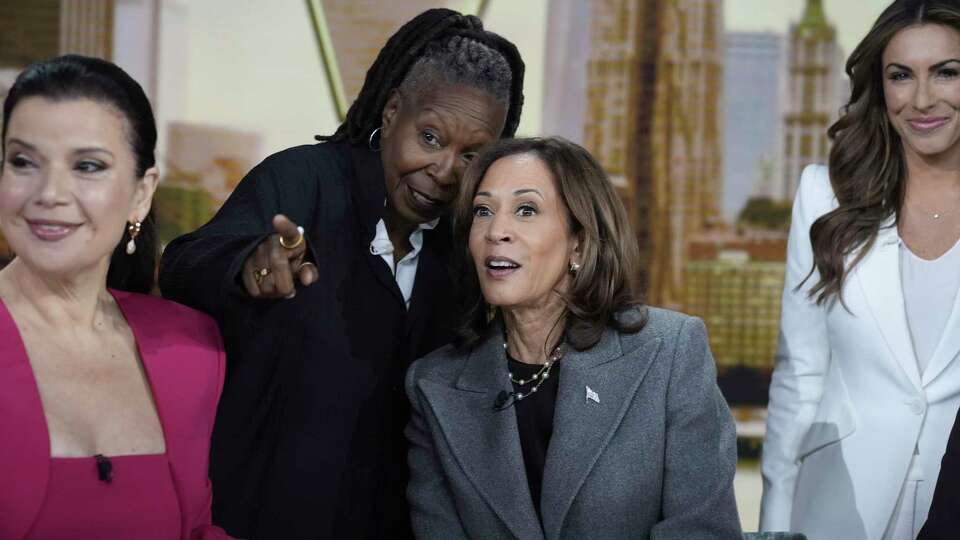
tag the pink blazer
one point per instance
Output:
(184, 360)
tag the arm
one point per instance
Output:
(201, 269)
(432, 511)
(802, 359)
(700, 456)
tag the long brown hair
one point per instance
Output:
(867, 167)
(603, 287)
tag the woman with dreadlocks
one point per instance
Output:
(327, 273)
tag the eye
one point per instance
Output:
(898, 76)
(19, 161)
(89, 166)
(482, 211)
(948, 73)
(468, 156)
(430, 138)
(526, 210)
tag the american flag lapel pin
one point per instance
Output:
(592, 396)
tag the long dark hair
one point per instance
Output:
(867, 167)
(402, 51)
(79, 77)
(604, 286)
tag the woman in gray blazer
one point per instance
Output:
(566, 409)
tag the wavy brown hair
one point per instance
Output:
(603, 287)
(867, 167)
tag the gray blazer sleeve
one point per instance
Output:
(701, 453)
(432, 510)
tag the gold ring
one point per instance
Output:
(260, 273)
(296, 243)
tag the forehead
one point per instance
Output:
(923, 44)
(71, 122)
(518, 171)
(464, 104)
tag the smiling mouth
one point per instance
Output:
(927, 125)
(51, 231)
(423, 199)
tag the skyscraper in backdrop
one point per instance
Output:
(654, 120)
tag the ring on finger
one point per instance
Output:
(260, 273)
(304, 265)
(296, 243)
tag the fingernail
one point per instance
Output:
(291, 295)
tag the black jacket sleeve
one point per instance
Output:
(201, 269)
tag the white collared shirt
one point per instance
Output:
(405, 271)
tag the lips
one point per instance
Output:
(500, 267)
(927, 125)
(50, 230)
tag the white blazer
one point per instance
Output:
(848, 405)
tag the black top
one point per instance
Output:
(308, 440)
(534, 421)
(943, 520)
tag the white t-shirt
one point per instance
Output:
(405, 271)
(929, 290)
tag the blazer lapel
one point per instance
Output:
(879, 277)
(25, 446)
(949, 345)
(596, 389)
(484, 441)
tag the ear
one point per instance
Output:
(576, 241)
(143, 194)
(390, 110)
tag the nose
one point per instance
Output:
(923, 97)
(54, 187)
(444, 170)
(498, 229)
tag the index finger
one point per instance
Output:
(286, 228)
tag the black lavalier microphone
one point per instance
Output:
(503, 400)
(104, 468)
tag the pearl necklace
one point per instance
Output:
(539, 377)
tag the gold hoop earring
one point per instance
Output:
(133, 229)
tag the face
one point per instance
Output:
(922, 90)
(68, 185)
(520, 239)
(427, 141)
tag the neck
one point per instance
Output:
(78, 302)
(398, 229)
(932, 173)
(532, 333)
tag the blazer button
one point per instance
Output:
(918, 406)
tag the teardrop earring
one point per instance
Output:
(133, 229)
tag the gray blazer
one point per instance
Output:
(654, 458)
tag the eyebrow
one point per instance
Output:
(934, 67)
(21, 142)
(90, 149)
(516, 193)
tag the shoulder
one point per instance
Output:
(174, 324)
(815, 195)
(308, 161)
(673, 329)
(442, 365)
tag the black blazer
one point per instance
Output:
(943, 521)
(294, 389)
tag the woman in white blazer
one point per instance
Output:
(867, 381)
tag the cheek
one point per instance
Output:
(475, 242)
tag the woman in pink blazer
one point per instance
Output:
(107, 396)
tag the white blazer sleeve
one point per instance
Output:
(803, 354)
